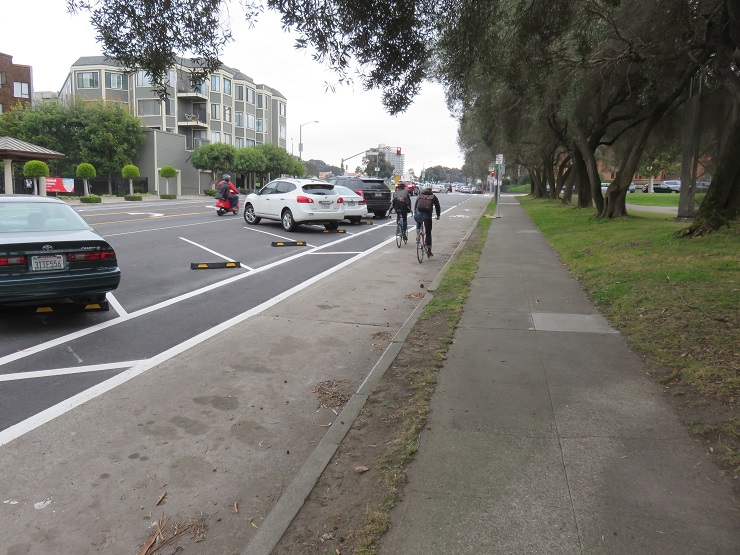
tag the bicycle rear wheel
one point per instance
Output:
(420, 243)
(399, 233)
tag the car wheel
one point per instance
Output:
(331, 226)
(249, 216)
(288, 221)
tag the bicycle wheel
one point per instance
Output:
(399, 232)
(420, 243)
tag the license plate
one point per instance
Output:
(350, 203)
(325, 204)
(47, 263)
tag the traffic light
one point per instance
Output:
(398, 150)
(493, 172)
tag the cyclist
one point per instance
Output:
(401, 203)
(425, 202)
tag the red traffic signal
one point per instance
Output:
(493, 172)
(398, 150)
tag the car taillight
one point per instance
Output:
(91, 255)
(363, 201)
(340, 200)
(360, 192)
(12, 260)
(303, 200)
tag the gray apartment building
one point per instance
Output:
(227, 107)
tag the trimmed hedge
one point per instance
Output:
(210, 192)
(132, 197)
(168, 197)
(91, 199)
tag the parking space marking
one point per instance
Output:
(162, 228)
(115, 304)
(66, 371)
(216, 253)
(273, 234)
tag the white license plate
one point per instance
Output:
(47, 263)
(350, 203)
(325, 205)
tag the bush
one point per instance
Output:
(243, 191)
(210, 192)
(132, 197)
(91, 199)
(168, 197)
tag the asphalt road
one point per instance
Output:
(162, 304)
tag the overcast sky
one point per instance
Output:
(350, 120)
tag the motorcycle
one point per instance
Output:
(224, 205)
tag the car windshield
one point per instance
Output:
(39, 216)
(319, 188)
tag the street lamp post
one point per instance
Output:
(422, 169)
(300, 138)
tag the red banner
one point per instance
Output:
(60, 185)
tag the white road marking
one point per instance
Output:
(215, 253)
(41, 418)
(274, 235)
(116, 305)
(74, 354)
(161, 228)
(65, 371)
(338, 252)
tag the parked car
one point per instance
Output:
(476, 190)
(464, 188)
(49, 254)
(294, 202)
(355, 207)
(376, 193)
(604, 187)
(439, 188)
(669, 186)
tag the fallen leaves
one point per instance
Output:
(331, 394)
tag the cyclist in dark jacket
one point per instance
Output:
(423, 206)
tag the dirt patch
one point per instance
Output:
(332, 394)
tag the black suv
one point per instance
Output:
(376, 193)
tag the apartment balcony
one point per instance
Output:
(192, 143)
(192, 92)
(197, 120)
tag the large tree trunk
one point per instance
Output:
(689, 163)
(582, 183)
(538, 188)
(592, 170)
(721, 204)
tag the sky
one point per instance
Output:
(350, 120)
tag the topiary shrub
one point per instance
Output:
(167, 197)
(91, 199)
(130, 172)
(132, 197)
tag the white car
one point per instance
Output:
(294, 202)
(355, 206)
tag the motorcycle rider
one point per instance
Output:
(226, 190)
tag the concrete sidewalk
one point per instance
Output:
(547, 435)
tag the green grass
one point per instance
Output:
(658, 199)
(675, 300)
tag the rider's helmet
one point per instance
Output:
(227, 177)
(426, 191)
(401, 185)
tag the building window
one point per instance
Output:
(115, 80)
(21, 90)
(227, 138)
(240, 92)
(149, 107)
(260, 129)
(250, 95)
(87, 79)
(1, 107)
(282, 131)
(227, 86)
(227, 113)
(250, 121)
(216, 83)
(239, 142)
(282, 109)
(215, 137)
(239, 120)
(170, 107)
(250, 142)
(142, 79)
(260, 100)
(215, 111)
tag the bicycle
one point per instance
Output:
(400, 230)
(421, 239)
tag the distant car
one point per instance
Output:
(49, 254)
(439, 188)
(476, 190)
(376, 193)
(464, 188)
(410, 187)
(669, 186)
(294, 202)
(605, 186)
(355, 207)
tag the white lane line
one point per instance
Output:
(274, 235)
(339, 252)
(215, 253)
(115, 304)
(41, 418)
(164, 304)
(65, 371)
(161, 228)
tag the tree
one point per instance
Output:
(297, 169)
(250, 160)
(278, 160)
(167, 172)
(86, 171)
(215, 158)
(310, 169)
(130, 172)
(378, 160)
(35, 169)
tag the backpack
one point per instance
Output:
(425, 203)
(223, 190)
(399, 205)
